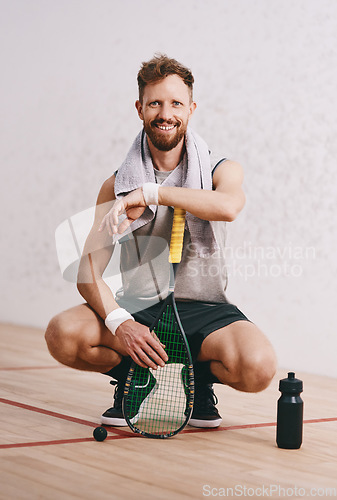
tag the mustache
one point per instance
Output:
(166, 122)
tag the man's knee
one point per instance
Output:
(258, 371)
(62, 339)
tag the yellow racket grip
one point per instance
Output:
(177, 235)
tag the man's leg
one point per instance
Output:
(240, 356)
(79, 338)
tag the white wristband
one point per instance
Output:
(116, 318)
(150, 193)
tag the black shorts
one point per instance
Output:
(199, 319)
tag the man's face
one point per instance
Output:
(165, 110)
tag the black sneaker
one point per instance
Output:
(143, 391)
(204, 412)
(114, 416)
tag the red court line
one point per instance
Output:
(320, 420)
(254, 426)
(122, 434)
(19, 368)
(47, 412)
(61, 416)
(229, 428)
(61, 441)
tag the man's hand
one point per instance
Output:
(142, 345)
(133, 204)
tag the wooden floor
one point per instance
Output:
(47, 451)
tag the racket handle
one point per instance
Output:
(177, 235)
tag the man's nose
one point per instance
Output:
(165, 112)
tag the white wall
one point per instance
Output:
(266, 84)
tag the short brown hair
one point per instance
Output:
(158, 68)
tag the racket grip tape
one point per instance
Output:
(177, 235)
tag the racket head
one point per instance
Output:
(158, 403)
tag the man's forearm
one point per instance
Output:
(93, 288)
(99, 296)
(205, 204)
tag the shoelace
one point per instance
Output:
(118, 393)
(205, 398)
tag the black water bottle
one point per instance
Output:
(290, 413)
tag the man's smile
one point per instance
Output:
(165, 127)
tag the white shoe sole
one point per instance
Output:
(116, 422)
(204, 424)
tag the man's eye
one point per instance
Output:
(177, 103)
(154, 103)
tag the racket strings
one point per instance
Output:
(159, 398)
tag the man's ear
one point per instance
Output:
(193, 106)
(139, 108)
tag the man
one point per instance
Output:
(167, 166)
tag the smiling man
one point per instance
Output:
(167, 166)
(165, 121)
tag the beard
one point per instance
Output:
(165, 141)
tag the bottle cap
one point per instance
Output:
(291, 384)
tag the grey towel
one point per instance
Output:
(137, 169)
